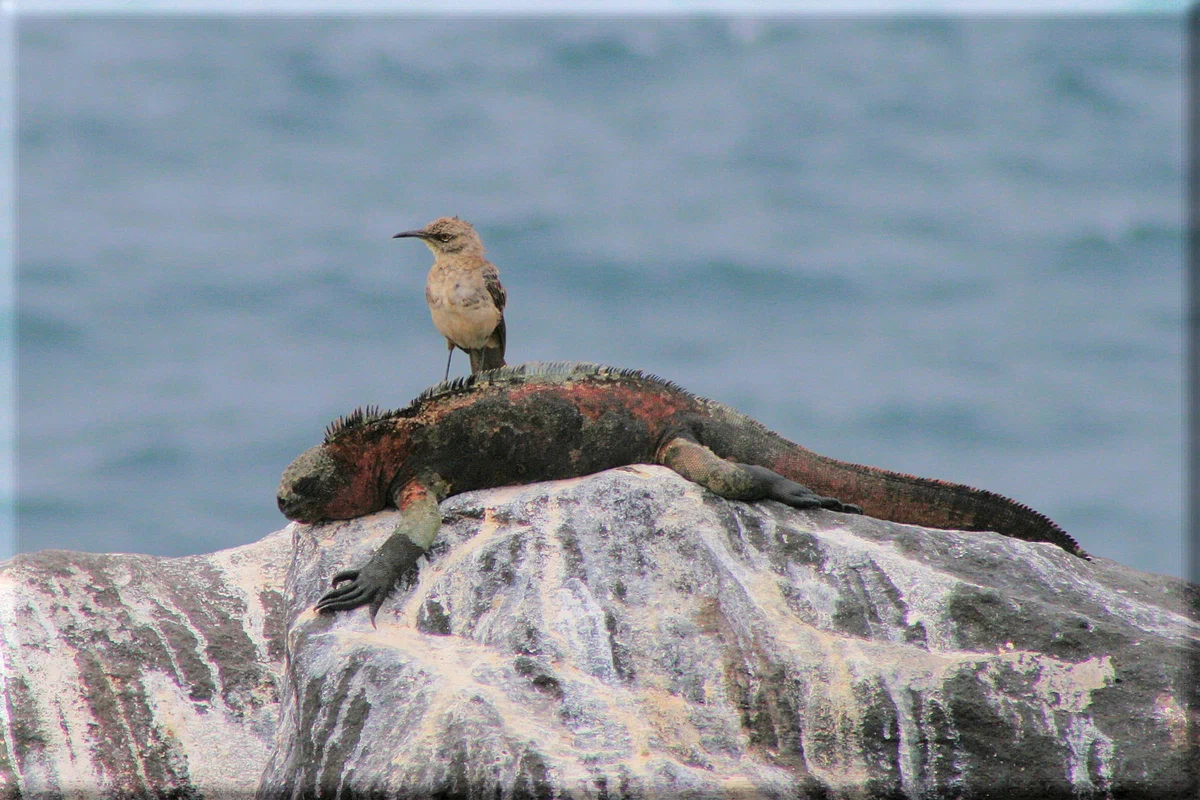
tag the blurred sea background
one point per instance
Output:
(945, 246)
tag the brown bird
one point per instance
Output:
(464, 293)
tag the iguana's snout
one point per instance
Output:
(317, 486)
(292, 506)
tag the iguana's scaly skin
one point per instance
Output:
(546, 422)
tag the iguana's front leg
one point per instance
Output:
(735, 481)
(396, 560)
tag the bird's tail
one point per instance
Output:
(486, 358)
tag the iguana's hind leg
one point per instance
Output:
(735, 481)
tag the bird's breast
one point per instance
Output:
(468, 327)
(461, 307)
(456, 287)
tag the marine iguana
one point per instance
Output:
(536, 422)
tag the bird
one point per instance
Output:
(463, 292)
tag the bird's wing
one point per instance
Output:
(491, 279)
(500, 335)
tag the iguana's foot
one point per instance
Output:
(370, 585)
(796, 495)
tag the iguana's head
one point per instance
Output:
(326, 483)
(447, 235)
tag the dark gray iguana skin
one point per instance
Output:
(546, 422)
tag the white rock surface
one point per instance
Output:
(130, 675)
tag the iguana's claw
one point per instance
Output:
(799, 496)
(394, 563)
(358, 588)
(837, 505)
(344, 575)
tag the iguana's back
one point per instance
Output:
(543, 422)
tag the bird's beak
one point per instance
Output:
(414, 234)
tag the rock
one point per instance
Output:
(130, 675)
(626, 634)
(629, 634)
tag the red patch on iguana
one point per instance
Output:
(411, 493)
(594, 400)
(446, 405)
(375, 454)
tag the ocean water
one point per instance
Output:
(951, 247)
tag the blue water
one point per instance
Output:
(951, 247)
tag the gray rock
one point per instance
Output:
(626, 634)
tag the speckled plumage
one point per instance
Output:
(463, 291)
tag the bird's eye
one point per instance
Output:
(443, 237)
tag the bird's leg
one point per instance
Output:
(449, 355)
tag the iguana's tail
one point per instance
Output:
(927, 502)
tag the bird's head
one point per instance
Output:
(447, 235)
